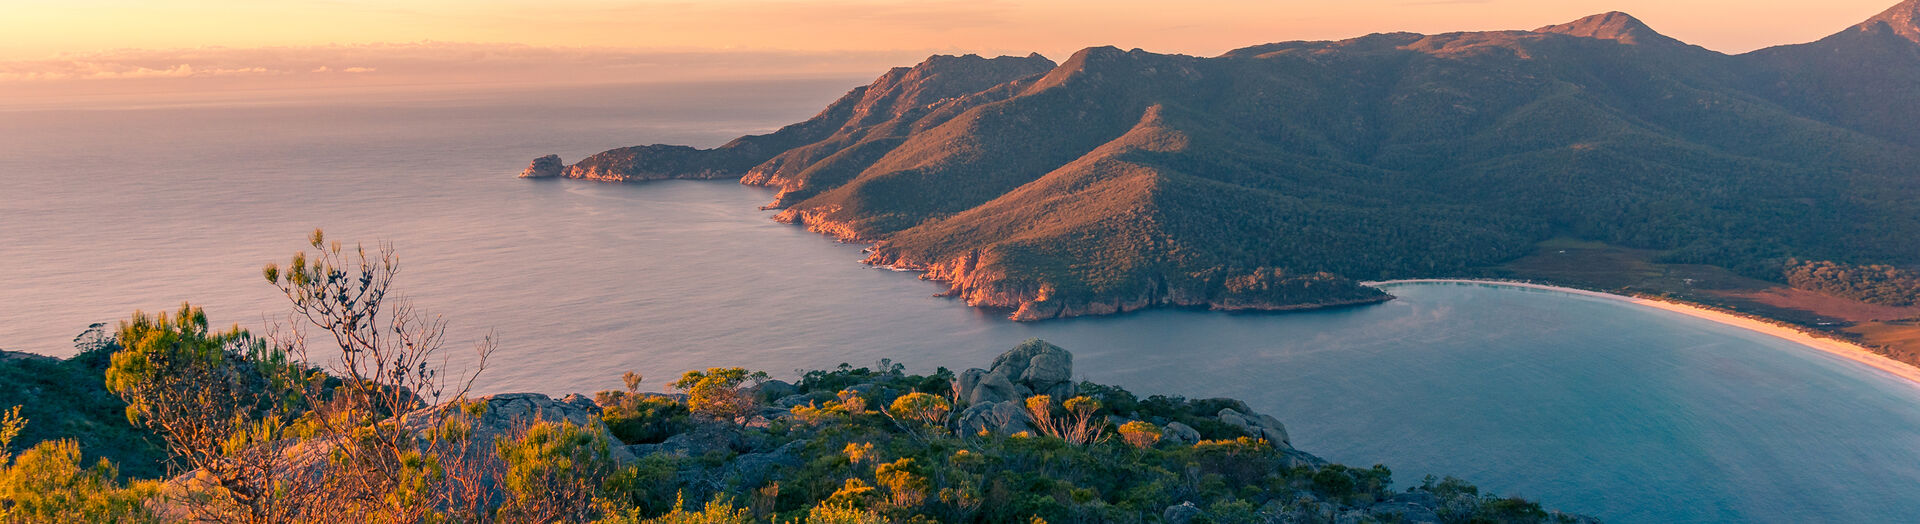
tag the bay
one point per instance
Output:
(1586, 404)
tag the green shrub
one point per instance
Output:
(47, 484)
(554, 470)
(642, 419)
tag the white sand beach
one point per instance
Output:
(1832, 346)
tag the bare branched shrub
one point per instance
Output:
(387, 361)
(1076, 426)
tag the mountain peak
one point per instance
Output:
(1613, 25)
(1903, 19)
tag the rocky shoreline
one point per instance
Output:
(987, 286)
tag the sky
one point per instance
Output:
(136, 43)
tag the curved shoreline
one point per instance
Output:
(1832, 346)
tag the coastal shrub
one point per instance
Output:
(923, 408)
(642, 419)
(1509, 509)
(555, 471)
(646, 486)
(1075, 423)
(714, 512)
(828, 513)
(1116, 400)
(48, 484)
(939, 383)
(906, 483)
(1229, 511)
(849, 406)
(717, 392)
(1140, 434)
(839, 378)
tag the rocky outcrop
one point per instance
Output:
(1032, 368)
(1005, 417)
(708, 458)
(1180, 434)
(996, 401)
(1257, 426)
(544, 167)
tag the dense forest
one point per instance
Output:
(168, 419)
(1120, 179)
(1873, 284)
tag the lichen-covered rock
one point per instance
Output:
(1016, 361)
(1182, 434)
(1032, 368)
(967, 380)
(994, 387)
(997, 417)
(1256, 425)
(1233, 418)
(1048, 368)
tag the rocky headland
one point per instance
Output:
(991, 408)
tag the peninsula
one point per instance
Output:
(1275, 176)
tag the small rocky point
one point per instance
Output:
(548, 166)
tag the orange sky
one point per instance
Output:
(41, 28)
(56, 53)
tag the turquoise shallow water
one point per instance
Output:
(1589, 405)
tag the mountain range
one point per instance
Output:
(1275, 176)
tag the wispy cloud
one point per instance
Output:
(53, 71)
(213, 70)
(446, 61)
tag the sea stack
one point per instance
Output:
(544, 167)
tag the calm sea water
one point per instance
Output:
(1589, 405)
